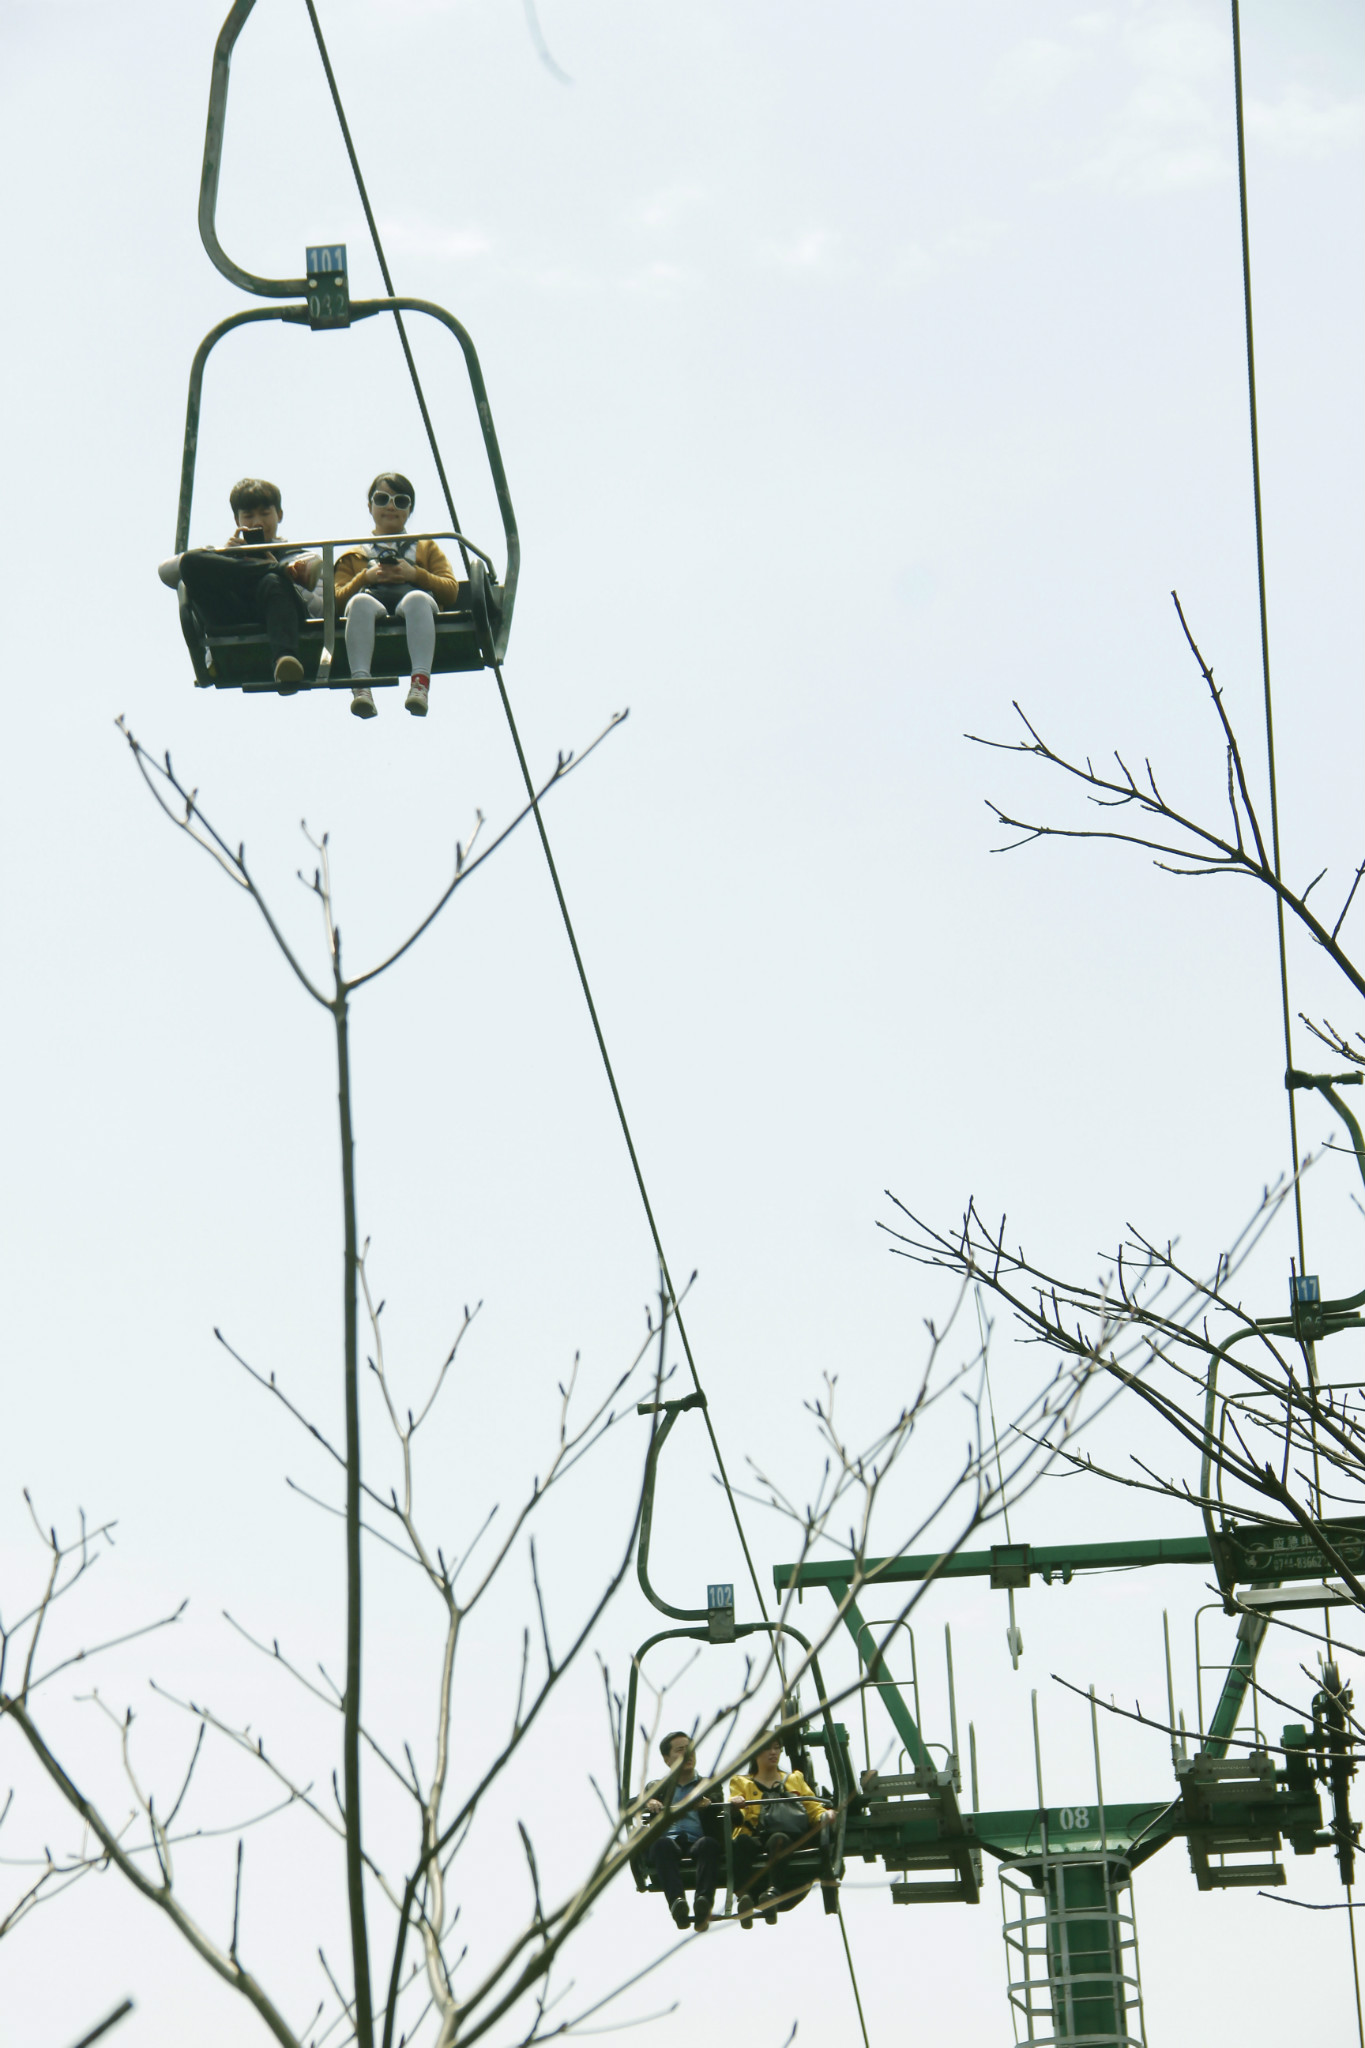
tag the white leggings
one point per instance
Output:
(416, 608)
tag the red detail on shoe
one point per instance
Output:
(421, 682)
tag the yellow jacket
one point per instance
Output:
(434, 572)
(749, 1790)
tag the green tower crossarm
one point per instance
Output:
(1008, 1564)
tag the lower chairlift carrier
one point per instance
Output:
(822, 1860)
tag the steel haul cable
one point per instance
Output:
(544, 837)
(568, 922)
(1265, 627)
(1275, 811)
(852, 1973)
(1309, 1349)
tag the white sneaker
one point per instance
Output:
(416, 699)
(362, 702)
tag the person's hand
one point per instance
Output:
(738, 1799)
(403, 572)
(826, 1816)
(301, 571)
(379, 572)
(654, 1806)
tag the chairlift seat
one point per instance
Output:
(798, 1872)
(240, 659)
(715, 1822)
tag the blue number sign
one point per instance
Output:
(326, 259)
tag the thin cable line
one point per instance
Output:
(384, 273)
(1309, 1351)
(1355, 1966)
(1013, 1637)
(625, 1128)
(995, 1435)
(545, 844)
(1265, 627)
(852, 1973)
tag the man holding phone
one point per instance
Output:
(252, 579)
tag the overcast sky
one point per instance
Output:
(858, 370)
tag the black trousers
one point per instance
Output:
(752, 1853)
(665, 1860)
(250, 592)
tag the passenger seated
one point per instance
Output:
(685, 1835)
(269, 586)
(411, 578)
(775, 1813)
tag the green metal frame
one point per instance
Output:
(1268, 1805)
(1049, 1560)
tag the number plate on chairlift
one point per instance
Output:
(329, 294)
(720, 1613)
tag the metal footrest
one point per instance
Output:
(1222, 1877)
(924, 1804)
(957, 1890)
(1230, 1811)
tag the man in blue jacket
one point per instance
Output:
(685, 1834)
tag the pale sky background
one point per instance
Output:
(857, 370)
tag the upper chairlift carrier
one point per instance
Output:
(472, 636)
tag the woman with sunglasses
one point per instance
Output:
(393, 575)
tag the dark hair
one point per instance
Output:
(251, 491)
(669, 1741)
(392, 480)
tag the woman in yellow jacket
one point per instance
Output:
(393, 574)
(774, 1813)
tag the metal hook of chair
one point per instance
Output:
(670, 1410)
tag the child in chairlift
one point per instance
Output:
(393, 575)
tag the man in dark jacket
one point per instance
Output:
(685, 1834)
(252, 579)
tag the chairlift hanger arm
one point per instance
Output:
(1327, 1084)
(245, 280)
(670, 1410)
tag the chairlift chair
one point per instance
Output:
(471, 636)
(822, 1860)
